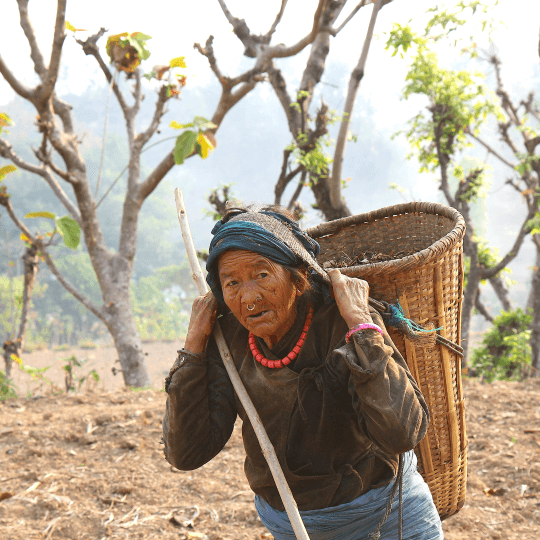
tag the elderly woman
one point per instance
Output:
(335, 396)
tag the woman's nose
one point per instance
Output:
(250, 294)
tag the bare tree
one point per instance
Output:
(305, 162)
(61, 165)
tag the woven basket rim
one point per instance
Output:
(423, 256)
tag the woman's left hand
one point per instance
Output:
(351, 296)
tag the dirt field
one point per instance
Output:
(90, 465)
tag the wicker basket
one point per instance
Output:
(429, 287)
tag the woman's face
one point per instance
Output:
(249, 279)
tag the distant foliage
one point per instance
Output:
(505, 352)
(162, 302)
(7, 388)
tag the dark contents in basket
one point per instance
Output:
(344, 260)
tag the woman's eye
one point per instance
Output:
(262, 275)
(232, 283)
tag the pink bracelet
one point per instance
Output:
(363, 326)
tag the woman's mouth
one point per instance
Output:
(257, 315)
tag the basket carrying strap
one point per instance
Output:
(376, 534)
(393, 315)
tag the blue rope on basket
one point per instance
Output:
(394, 316)
(397, 319)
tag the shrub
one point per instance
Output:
(505, 351)
(7, 388)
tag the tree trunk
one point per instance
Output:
(534, 303)
(31, 264)
(501, 291)
(470, 249)
(321, 190)
(118, 317)
(482, 309)
(122, 327)
(469, 301)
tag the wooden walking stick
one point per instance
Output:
(264, 441)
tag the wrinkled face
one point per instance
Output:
(249, 279)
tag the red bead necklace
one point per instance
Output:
(291, 356)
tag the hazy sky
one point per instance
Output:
(175, 26)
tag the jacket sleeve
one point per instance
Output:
(386, 398)
(200, 412)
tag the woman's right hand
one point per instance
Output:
(201, 323)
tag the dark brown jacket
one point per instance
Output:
(337, 419)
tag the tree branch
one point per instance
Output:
(90, 48)
(208, 51)
(17, 86)
(505, 136)
(318, 54)
(28, 29)
(488, 273)
(536, 240)
(336, 31)
(60, 107)
(298, 190)
(230, 17)
(277, 190)
(137, 94)
(281, 51)
(84, 300)
(501, 291)
(257, 46)
(490, 149)
(481, 308)
(63, 110)
(529, 106)
(49, 82)
(145, 136)
(280, 87)
(531, 144)
(229, 99)
(507, 104)
(284, 181)
(270, 33)
(155, 177)
(354, 83)
(7, 152)
(46, 160)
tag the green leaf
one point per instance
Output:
(202, 124)
(5, 170)
(175, 125)
(178, 62)
(16, 359)
(139, 36)
(71, 28)
(5, 120)
(138, 40)
(48, 215)
(184, 147)
(69, 230)
(150, 75)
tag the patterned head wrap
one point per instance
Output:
(269, 234)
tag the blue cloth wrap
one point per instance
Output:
(248, 236)
(357, 519)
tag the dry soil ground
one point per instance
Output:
(90, 465)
